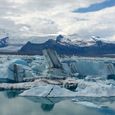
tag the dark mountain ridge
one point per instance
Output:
(99, 48)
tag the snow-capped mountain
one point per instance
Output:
(4, 39)
(67, 46)
(74, 40)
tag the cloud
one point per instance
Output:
(35, 17)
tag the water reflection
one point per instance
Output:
(47, 104)
(47, 107)
(105, 105)
(96, 99)
(53, 106)
(12, 93)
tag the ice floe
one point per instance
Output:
(48, 91)
(95, 89)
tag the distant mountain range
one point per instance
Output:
(65, 46)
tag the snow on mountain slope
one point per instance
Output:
(74, 40)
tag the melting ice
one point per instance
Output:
(37, 66)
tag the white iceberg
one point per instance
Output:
(95, 89)
(48, 91)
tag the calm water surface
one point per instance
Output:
(11, 104)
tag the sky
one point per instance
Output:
(46, 17)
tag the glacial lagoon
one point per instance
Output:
(11, 104)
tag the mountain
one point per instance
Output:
(65, 46)
(4, 41)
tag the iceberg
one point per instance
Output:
(14, 70)
(48, 91)
(18, 69)
(84, 89)
(95, 89)
(89, 66)
(4, 40)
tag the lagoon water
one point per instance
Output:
(11, 104)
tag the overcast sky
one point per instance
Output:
(41, 17)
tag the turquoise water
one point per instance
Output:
(11, 104)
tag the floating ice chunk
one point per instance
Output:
(3, 72)
(84, 89)
(19, 61)
(38, 68)
(88, 104)
(19, 68)
(48, 91)
(95, 89)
